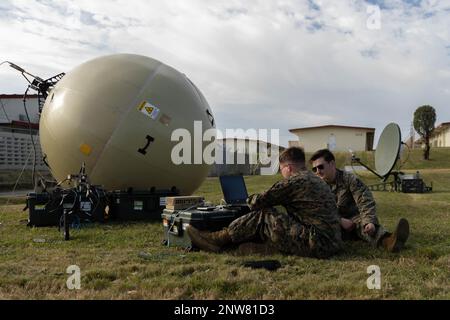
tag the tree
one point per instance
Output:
(424, 119)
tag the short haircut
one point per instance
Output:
(294, 155)
(326, 154)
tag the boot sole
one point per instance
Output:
(402, 233)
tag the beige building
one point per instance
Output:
(334, 137)
(242, 156)
(440, 137)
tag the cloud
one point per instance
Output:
(289, 63)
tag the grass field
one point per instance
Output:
(128, 261)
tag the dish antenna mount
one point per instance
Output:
(38, 84)
(387, 154)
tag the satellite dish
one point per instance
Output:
(386, 153)
(388, 149)
(117, 114)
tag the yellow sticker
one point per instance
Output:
(85, 149)
(149, 110)
(142, 105)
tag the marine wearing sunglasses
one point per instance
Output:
(324, 166)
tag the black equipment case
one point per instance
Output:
(138, 205)
(413, 184)
(203, 218)
(46, 209)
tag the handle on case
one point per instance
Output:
(178, 230)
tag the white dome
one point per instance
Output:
(104, 113)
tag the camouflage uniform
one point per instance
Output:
(355, 202)
(310, 227)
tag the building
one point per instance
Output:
(440, 137)
(19, 139)
(334, 137)
(18, 144)
(240, 156)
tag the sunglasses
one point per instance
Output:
(319, 167)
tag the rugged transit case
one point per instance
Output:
(202, 218)
(46, 209)
(43, 211)
(138, 205)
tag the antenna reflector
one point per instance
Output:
(388, 149)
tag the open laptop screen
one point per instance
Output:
(234, 189)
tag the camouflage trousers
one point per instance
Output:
(358, 233)
(283, 233)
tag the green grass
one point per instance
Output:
(409, 160)
(128, 261)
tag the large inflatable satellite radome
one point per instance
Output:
(116, 114)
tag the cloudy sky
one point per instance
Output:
(260, 64)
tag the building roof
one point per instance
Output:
(442, 127)
(16, 96)
(20, 125)
(331, 126)
(247, 140)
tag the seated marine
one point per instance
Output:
(309, 226)
(356, 206)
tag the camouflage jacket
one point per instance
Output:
(354, 199)
(307, 199)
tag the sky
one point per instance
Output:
(261, 64)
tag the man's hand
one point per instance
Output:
(369, 229)
(347, 224)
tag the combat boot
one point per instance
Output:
(396, 241)
(209, 241)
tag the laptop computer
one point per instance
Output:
(234, 190)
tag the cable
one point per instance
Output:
(45, 179)
(33, 172)
(7, 118)
(31, 85)
(4, 110)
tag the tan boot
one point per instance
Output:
(396, 241)
(209, 241)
